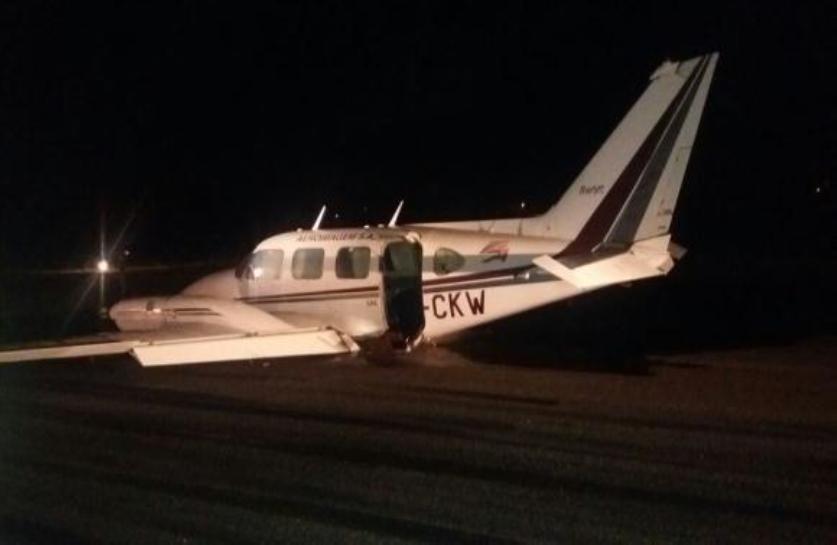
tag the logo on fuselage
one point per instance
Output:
(498, 249)
(328, 237)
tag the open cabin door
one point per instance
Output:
(402, 290)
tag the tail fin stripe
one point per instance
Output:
(627, 225)
(596, 228)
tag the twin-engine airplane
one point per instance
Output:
(332, 291)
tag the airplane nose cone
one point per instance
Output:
(221, 285)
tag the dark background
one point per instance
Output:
(206, 126)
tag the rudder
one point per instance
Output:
(628, 191)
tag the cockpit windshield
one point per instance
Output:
(261, 265)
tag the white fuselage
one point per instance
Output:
(467, 279)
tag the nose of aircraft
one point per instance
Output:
(221, 285)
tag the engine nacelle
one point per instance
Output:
(152, 313)
(146, 314)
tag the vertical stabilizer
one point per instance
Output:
(628, 191)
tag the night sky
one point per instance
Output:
(217, 124)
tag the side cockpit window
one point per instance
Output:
(352, 262)
(307, 263)
(447, 261)
(261, 265)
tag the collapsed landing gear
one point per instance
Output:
(389, 349)
(401, 344)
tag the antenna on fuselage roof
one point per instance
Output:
(319, 219)
(395, 214)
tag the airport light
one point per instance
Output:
(103, 267)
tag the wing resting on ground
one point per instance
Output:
(194, 344)
(191, 329)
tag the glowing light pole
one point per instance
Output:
(102, 266)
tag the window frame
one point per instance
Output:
(348, 250)
(459, 262)
(311, 250)
(246, 269)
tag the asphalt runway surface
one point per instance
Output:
(735, 446)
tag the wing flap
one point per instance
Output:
(311, 342)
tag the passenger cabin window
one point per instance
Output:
(261, 265)
(352, 262)
(447, 261)
(308, 263)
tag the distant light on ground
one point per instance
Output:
(103, 266)
(522, 205)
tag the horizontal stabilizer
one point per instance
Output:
(561, 271)
(643, 260)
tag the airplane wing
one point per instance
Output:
(224, 331)
(152, 350)
(73, 348)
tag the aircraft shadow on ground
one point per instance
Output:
(544, 355)
(625, 330)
